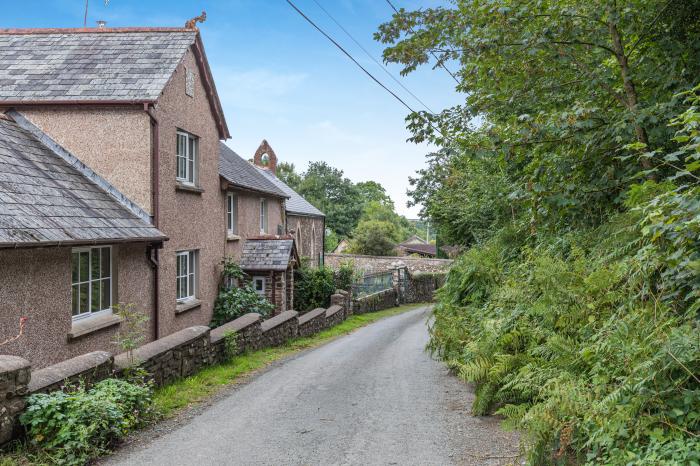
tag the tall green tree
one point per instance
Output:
(335, 195)
(287, 173)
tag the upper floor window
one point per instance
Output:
(232, 214)
(91, 281)
(187, 152)
(186, 273)
(263, 215)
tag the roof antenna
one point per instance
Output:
(86, 11)
(192, 23)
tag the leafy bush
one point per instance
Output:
(345, 276)
(313, 288)
(74, 427)
(234, 302)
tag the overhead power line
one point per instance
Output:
(439, 62)
(372, 77)
(388, 73)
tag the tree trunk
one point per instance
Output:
(630, 92)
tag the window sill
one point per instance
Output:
(187, 306)
(90, 325)
(188, 188)
(232, 237)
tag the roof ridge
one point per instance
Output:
(27, 31)
(76, 163)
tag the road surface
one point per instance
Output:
(373, 397)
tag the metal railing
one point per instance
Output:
(372, 283)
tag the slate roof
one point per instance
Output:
(243, 174)
(296, 204)
(419, 248)
(267, 254)
(45, 201)
(70, 65)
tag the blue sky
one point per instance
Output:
(280, 80)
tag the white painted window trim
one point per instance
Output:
(255, 287)
(263, 215)
(232, 214)
(110, 279)
(191, 148)
(190, 275)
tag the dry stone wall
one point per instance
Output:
(280, 329)
(248, 331)
(312, 322)
(86, 369)
(372, 264)
(375, 301)
(15, 373)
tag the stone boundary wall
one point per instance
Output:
(178, 355)
(312, 322)
(280, 329)
(15, 373)
(170, 358)
(421, 287)
(248, 330)
(87, 369)
(334, 316)
(372, 264)
(375, 301)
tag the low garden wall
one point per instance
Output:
(248, 334)
(280, 329)
(312, 322)
(15, 373)
(334, 316)
(374, 264)
(375, 301)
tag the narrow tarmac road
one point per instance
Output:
(373, 397)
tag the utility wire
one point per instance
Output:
(363, 68)
(440, 63)
(372, 58)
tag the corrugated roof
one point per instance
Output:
(86, 66)
(267, 254)
(296, 204)
(44, 200)
(241, 173)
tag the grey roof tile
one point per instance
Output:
(296, 204)
(267, 254)
(40, 207)
(47, 66)
(241, 173)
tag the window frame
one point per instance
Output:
(231, 213)
(264, 287)
(90, 280)
(190, 157)
(190, 276)
(263, 216)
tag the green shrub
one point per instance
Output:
(345, 276)
(234, 302)
(313, 288)
(74, 427)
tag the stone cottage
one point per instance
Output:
(110, 186)
(305, 223)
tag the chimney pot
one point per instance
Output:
(101, 24)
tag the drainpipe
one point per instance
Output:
(155, 209)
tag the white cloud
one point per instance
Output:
(256, 89)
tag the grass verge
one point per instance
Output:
(199, 387)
